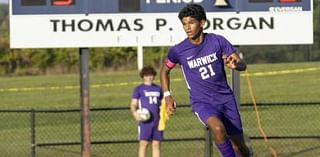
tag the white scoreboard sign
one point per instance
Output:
(110, 23)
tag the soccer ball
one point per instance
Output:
(144, 114)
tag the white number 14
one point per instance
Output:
(153, 100)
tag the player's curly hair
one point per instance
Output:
(193, 10)
(147, 70)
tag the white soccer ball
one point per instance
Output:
(144, 114)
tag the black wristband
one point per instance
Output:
(241, 66)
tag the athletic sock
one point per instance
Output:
(226, 149)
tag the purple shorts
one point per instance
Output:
(149, 131)
(227, 112)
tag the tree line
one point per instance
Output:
(66, 60)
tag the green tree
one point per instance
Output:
(66, 60)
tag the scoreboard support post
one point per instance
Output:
(84, 102)
(235, 85)
(140, 57)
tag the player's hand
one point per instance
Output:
(171, 105)
(137, 116)
(229, 61)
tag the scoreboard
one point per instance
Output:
(109, 23)
(150, 6)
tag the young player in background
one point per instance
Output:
(147, 95)
(202, 57)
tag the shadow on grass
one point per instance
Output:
(301, 152)
(65, 151)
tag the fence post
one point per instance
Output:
(235, 85)
(208, 142)
(84, 103)
(33, 133)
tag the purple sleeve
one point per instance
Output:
(171, 59)
(135, 94)
(172, 55)
(226, 46)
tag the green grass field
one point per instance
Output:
(291, 82)
(115, 88)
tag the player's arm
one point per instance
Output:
(165, 86)
(234, 61)
(133, 109)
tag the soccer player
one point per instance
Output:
(202, 57)
(148, 95)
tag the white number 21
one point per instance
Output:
(206, 72)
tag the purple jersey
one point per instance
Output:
(149, 96)
(203, 68)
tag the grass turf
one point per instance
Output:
(114, 89)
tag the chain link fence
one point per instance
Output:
(292, 130)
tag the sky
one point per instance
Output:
(3, 1)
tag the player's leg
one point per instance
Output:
(145, 134)
(222, 142)
(239, 145)
(232, 122)
(143, 145)
(217, 129)
(208, 116)
(156, 142)
(236, 136)
(156, 148)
